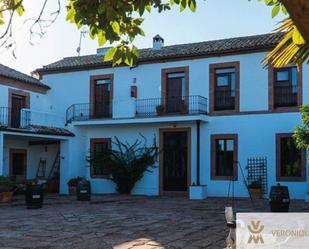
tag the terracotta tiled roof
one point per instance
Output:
(10, 73)
(38, 129)
(50, 130)
(207, 48)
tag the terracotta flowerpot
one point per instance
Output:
(184, 109)
(6, 197)
(160, 110)
(72, 190)
(256, 193)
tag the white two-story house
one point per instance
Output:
(219, 117)
(30, 132)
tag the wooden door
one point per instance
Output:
(175, 161)
(18, 103)
(18, 164)
(174, 92)
(102, 98)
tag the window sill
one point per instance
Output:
(286, 109)
(224, 178)
(223, 112)
(291, 179)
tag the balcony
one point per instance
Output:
(28, 117)
(171, 106)
(285, 96)
(139, 108)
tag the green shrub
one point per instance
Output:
(127, 163)
(6, 184)
(301, 134)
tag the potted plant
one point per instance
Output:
(160, 110)
(6, 189)
(255, 190)
(184, 108)
(72, 183)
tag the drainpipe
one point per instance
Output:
(198, 122)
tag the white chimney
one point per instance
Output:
(158, 42)
(102, 51)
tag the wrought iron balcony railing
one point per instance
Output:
(171, 106)
(138, 108)
(285, 96)
(12, 118)
(87, 111)
(4, 116)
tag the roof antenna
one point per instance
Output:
(82, 35)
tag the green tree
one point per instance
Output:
(119, 22)
(301, 134)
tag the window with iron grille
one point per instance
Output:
(224, 156)
(285, 87)
(224, 85)
(98, 147)
(225, 82)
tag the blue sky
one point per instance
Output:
(214, 19)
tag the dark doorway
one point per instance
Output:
(18, 164)
(102, 98)
(175, 160)
(18, 103)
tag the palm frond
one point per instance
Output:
(292, 48)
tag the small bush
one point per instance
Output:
(73, 182)
(6, 184)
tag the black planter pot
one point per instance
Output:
(83, 191)
(279, 199)
(34, 196)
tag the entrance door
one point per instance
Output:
(175, 161)
(18, 103)
(18, 164)
(175, 92)
(102, 99)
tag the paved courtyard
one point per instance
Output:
(122, 222)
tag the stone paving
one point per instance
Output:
(122, 222)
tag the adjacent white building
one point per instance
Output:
(216, 112)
